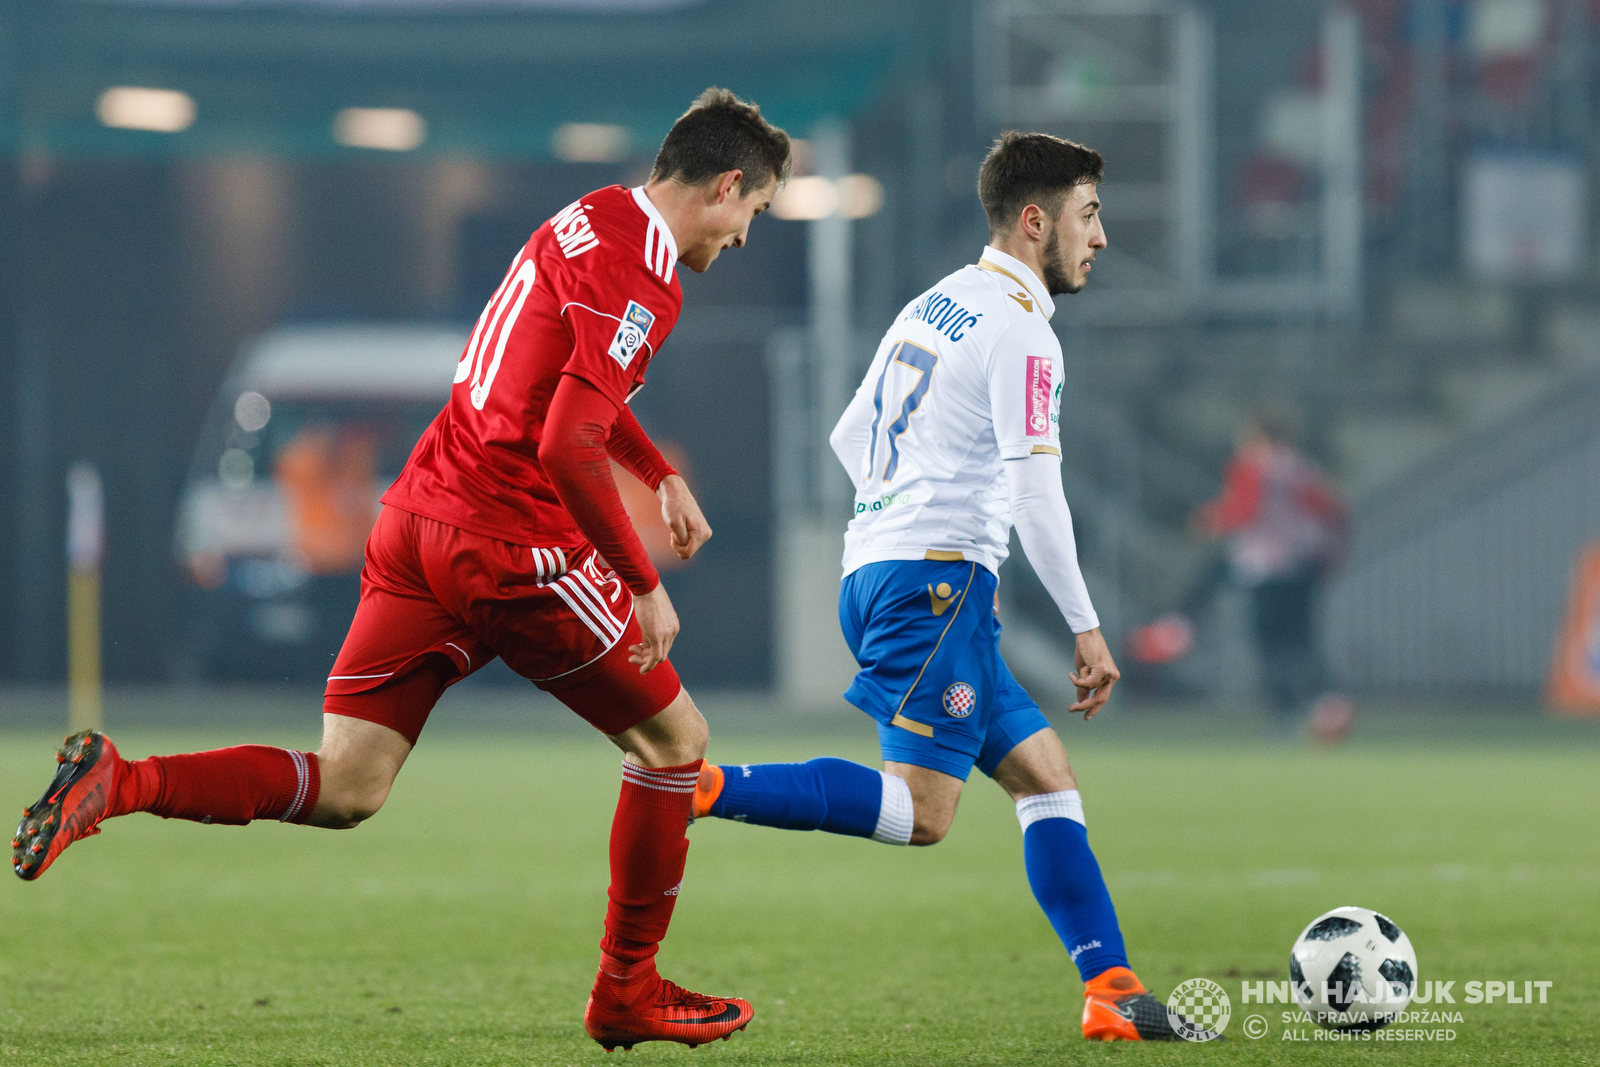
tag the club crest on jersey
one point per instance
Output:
(1036, 394)
(631, 333)
(960, 700)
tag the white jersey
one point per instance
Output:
(968, 377)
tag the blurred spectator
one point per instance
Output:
(329, 482)
(1285, 531)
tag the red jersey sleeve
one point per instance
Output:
(617, 313)
(630, 446)
(573, 454)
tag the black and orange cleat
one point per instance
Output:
(706, 791)
(71, 807)
(1117, 1007)
(632, 1004)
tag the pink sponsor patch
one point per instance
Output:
(1036, 394)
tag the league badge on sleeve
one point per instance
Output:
(631, 333)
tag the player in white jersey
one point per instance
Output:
(952, 439)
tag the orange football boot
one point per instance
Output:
(1117, 1007)
(706, 791)
(71, 807)
(631, 1004)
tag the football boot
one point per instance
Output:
(71, 807)
(1117, 1007)
(631, 1004)
(706, 791)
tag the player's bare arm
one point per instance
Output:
(658, 624)
(1096, 674)
(682, 514)
(658, 620)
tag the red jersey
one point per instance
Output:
(593, 294)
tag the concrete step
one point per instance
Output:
(1572, 336)
(1370, 450)
(1477, 396)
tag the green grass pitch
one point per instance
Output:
(460, 925)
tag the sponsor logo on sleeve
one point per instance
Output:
(1036, 395)
(631, 333)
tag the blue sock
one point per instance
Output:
(823, 794)
(1066, 882)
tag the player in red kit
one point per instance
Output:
(506, 536)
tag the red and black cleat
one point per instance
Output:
(646, 1007)
(71, 807)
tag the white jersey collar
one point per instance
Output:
(660, 224)
(1020, 273)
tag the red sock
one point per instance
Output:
(648, 848)
(227, 785)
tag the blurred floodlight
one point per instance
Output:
(1505, 28)
(251, 411)
(860, 196)
(236, 468)
(590, 142)
(808, 198)
(391, 129)
(805, 199)
(1291, 125)
(128, 107)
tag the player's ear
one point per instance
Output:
(727, 184)
(1031, 219)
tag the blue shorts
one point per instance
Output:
(928, 643)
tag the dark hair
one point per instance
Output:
(720, 133)
(1033, 168)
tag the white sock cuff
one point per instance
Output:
(895, 814)
(1066, 804)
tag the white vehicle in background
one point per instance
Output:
(310, 427)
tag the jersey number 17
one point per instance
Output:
(915, 360)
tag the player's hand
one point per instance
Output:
(683, 516)
(658, 623)
(1096, 673)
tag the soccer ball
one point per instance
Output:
(1353, 969)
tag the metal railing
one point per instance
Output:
(1458, 574)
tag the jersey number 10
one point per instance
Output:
(494, 328)
(916, 360)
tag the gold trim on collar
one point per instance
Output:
(1033, 301)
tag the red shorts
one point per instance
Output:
(558, 616)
